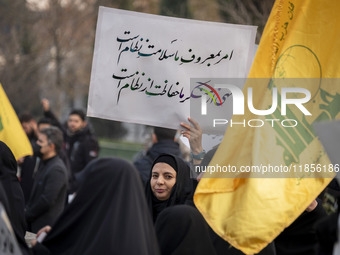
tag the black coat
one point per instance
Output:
(190, 234)
(109, 215)
(81, 148)
(27, 171)
(12, 197)
(48, 195)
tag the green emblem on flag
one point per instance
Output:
(1, 126)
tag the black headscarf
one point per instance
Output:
(190, 236)
(182, 191)
(15, 198)
(109, 214)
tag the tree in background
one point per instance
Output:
(246, 12)
(18, 55)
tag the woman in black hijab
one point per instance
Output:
(190, 236)
(169, 184)
(15, 198)
(109, 214)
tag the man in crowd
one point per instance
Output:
(29, 164)
(48, 194)
(30, 126)
(81, 145)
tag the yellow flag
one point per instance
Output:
(300, 40)
(11, 131)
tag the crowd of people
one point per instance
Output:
(84, 204)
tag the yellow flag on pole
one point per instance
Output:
(11, 131)
(300, 40)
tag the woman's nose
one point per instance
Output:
(160, 180)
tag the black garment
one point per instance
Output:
(70, 175)
(109, 214)
(54, 121)
(300, 237)
(62, 154)
(48, 195)
(81, 148)
(327, 233)
(26, 178)
(28, 168)
(182, 230)
(3, 197)
(9, 243)
(144, 163)
(12, 188)
(12, 197)
(181, 193)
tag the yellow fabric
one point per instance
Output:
(11, 131)
(300, 40)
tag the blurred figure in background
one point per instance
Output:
(28, 165)
(48, 195)
(109, 215)
(12, 196)
(81, 145)
(30, 126)
(45, 123)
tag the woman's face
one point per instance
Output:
(163, 178)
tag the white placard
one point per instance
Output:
(143, 63)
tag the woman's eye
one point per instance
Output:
(168, 177)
